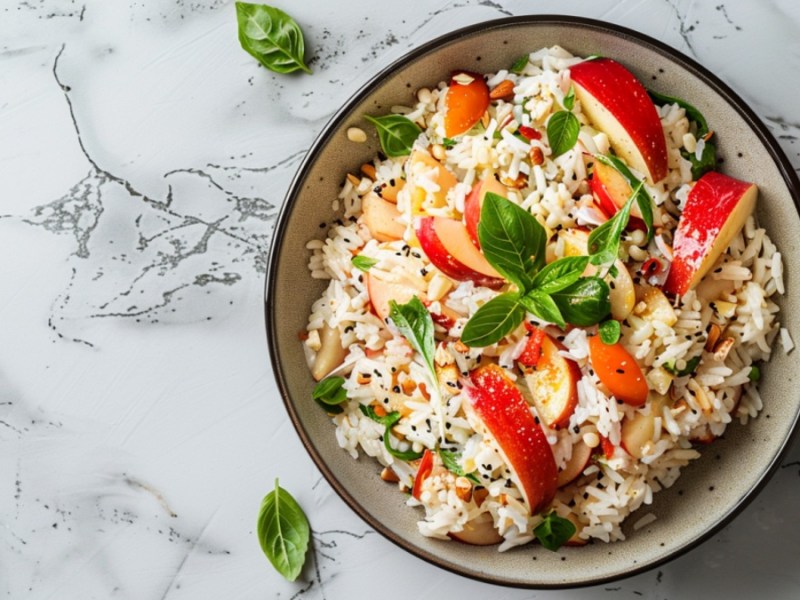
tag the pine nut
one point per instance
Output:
(357, 135)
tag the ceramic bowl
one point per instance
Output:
(713, 489)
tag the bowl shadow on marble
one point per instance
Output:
(713, 489)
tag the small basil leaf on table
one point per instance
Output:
(272, 37)
(543, 306)
(512, 240)
(559, 274)
(554, 531)
(283, 532)
(493, 321)
(363, 263)
(585, 302)
(563, 129)
(610, 332)
(396, 134)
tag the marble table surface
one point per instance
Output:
(143, 159)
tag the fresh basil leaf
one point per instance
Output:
(610, 332)
(493, 321)
(450, 460)
(388, 420)
(396, 134)
(543, 306)
(415, 323)
(691, 112)
(329, 391)
(707, 161)
(512, 240)
(448, 143)
(604, 241)
(691, 365)
(643, 200)
(272, 37)
(613, 271)
(363, 263)
(400, 454)
(569, 99)
(283, 532)
(559, 274)
(554, 531)
(585, 302)
(755, 374)
(562, 132)
(519, 65)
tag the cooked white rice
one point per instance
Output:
(737, 297)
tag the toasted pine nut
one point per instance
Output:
(424, 95)
(368, 170)
(356, 134)
(353, 179)
(591, 439)
(388, 475)
(438, 152)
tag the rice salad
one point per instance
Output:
(692, 322)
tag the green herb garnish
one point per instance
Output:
(643, 200)
(569, 99)
(396, 134)
(610, 332)
(563, 128)
(604, 241)
(755, 374)
(388, 421)
(513, 242)
(554, 531)
(329, 394)
(363, 263)
(691, 365)
(448, 143)
(450, 460)
(283, 532)
(519, 65)
(272, 37)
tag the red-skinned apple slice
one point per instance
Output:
(716, 209)
(581, 454)
(423, 470)
(500, 407)
(474, 202)
(617, 104)
(553, 383)
(429, 239)
(456, 240)
(381, 291)
(466, 100)
(381, 218)
(480, 531)
(611, 191)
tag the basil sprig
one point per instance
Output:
(708, 158)
(450, 460)
(643, 200)
(329, 394)
(283, 532)
(363, 263)
(513, 242)
(388, 421)
(415, 323)
(563, 127)
(272, 37)
(604, 241)
(554, 531)
(396, 134)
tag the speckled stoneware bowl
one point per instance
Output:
(713, 489)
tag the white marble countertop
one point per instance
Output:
(144, 157)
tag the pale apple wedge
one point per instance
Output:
(622, 295)
(581, 455)
(330, 355)
(381, 291)
(637, 431)
(480, 531)
(499, 407)
(474, 202)
(612, 190)
(457, 242)
(432, 245)
(381, 218)
(715, 211)
(553, 383)
(655, 305)
(420, 165)
(618, 104)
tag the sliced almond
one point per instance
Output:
(713, 336)
(388, 475)
(537, 156)
(723, 347)
(503, 90)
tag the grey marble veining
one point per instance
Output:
(144, 158)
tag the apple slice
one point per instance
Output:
(500, 407)
(716, 209)
(553, 383)
(456, 240)
(581, 454)
(611, 190)
(330, 354)
(474, 202)
(618, 371)
(421, 162)
(656, 306)
(381, 218)
(381, 291)
(479, 531)
(638, 430)
(617, 104)
(423, 471)
(466, 100)
(622, 294)
(433, 246)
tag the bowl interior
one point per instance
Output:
(711, 490)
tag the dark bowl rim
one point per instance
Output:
(295, 188)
